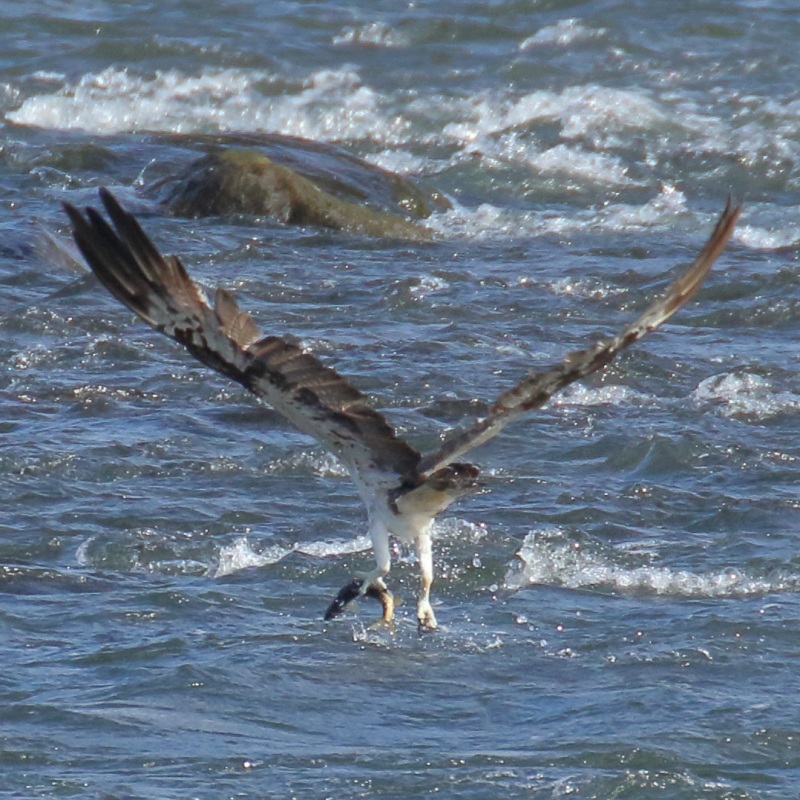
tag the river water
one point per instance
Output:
(620, 605)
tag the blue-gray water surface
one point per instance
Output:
(620, 604)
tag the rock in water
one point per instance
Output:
(349, 195)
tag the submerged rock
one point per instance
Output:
(300, 183)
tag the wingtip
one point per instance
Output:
(79, 219)
(75, 216)
(111, 204)
(731, 213)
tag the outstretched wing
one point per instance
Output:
(315, 398)
(539, 387)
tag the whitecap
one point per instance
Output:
(374, 34)
(575, 162)
(758, 238)
(327, 105)
(745, 394)
(766, 140)
(662, 209)
(116, 100)
(48, 77)
(564, 32)
(482, 221)
(240, 554)
(597, 396)
(336, 547)
(550, 557)
(488, 221)
(594, 113)
(403, 162)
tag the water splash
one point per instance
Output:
(550, 557)
(240, 554)
(315, 462)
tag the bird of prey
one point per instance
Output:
(403, 490)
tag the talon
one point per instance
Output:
(425, 626)
(426, 619)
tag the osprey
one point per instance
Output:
(402, 489)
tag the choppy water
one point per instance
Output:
(621, 606)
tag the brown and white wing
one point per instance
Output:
(536, 389)
(315, 398)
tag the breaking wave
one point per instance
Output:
(580, 138)
(745, 395)
(328, 105)
(241, 555)
(550, 557)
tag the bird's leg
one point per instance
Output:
(378, 590)
(371, 585)
(426, 619)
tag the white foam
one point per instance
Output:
(240, 554)
(374, 34)
(46, 76)
(319, 463)
(403, 162)
(745, 394)
(564, 32)
(597, 396)
(669, 204)
(549, 557)
(82, 552)
(337, 547)
(426, 285)
(595, 125)
(487, 221)
(596, 113)
(461, 530)
(758, 238)
(116, 100)
(575, 162)
(483, 221)
(328, 105)
(767, 140)
(581, 287)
